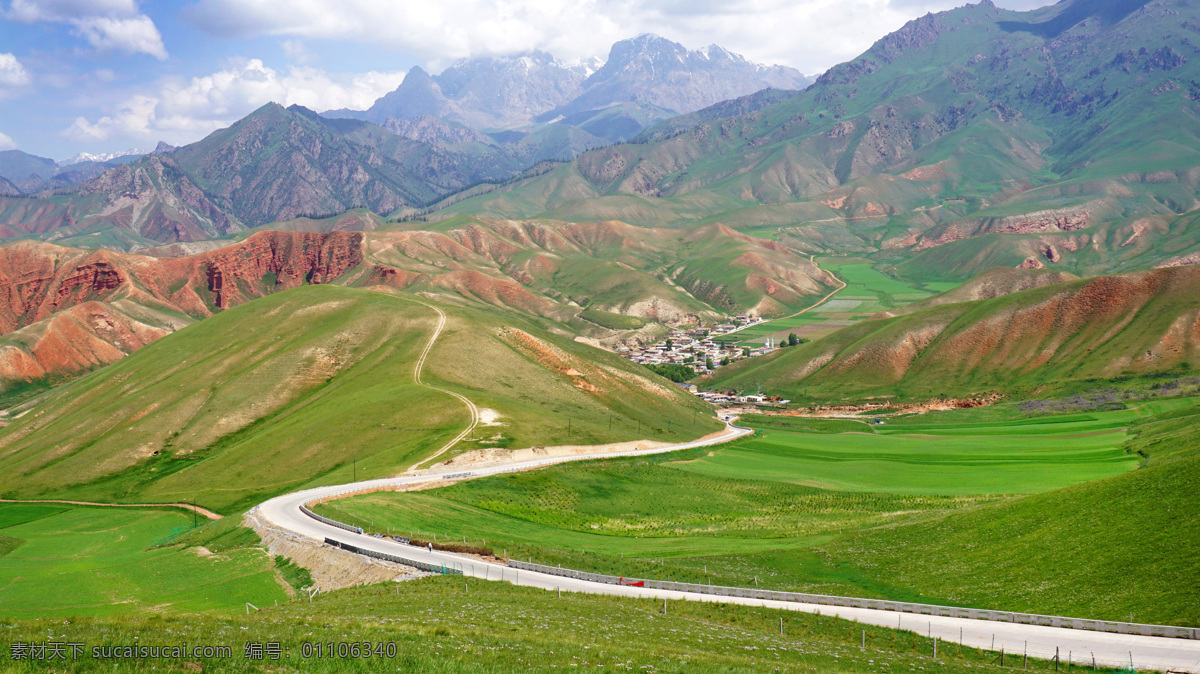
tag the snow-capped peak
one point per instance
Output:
(102, 157)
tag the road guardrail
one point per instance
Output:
(879, 604)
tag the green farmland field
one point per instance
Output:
(806, 505)
(932, 459)
(867, 292)
(100, 561)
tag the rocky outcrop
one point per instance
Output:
(64, 311)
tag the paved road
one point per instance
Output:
(1179, 655)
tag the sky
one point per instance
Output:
(107, 75)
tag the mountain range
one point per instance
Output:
(976, 137)
(644, 80)
(280, 164)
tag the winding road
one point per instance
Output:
(1175, 655)
(437, 331)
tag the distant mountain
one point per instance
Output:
(646, 79)
(16, 166)
(32, 174)
(434, 131)
(275, 165)
(1066, 136)
(120, 157)
(7, 189)
(650, 69)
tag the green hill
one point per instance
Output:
(1102, 328)
(315, 386)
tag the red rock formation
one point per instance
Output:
(62, 297)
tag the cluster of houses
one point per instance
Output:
(701, 349)
(731, 398)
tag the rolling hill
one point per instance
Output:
(64, 311)
(315, 385)
(1051, 336)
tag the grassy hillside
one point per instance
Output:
(1056, 335)
(444, 625)
(315, 386)
(107, 559)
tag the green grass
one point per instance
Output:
(445, 624)
(867, 292)
(1042, 341)
(825, 509)
(100, 561)
(243, 405)
(612, 321)
(964, 459)
(1121, 548)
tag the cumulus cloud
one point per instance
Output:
(7, 143)
(109, 25)
(807, 34)
(183, 111)
(12, 73)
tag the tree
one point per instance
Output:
(670, 345)
(708, 362)
(725, 360)
(745, 352)
(793, 340)
(673, 371)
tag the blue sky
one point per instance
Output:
(106, 75)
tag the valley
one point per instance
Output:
(923, 328)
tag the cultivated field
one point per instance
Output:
(808, 509)
(867, 292)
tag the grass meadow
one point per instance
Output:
(825, 506)
(81, 561)
(446, 624)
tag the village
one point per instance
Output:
(702, 350)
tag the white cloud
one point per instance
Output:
(12, 73)
(183, 111)
(296, 51)
(107, 25)
(135, 35)
(7, 143)
(807, 34)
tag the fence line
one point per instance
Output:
(424, 566)
(880, 604)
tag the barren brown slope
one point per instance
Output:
(68, 310)
(1130, 324)
(617, 267)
